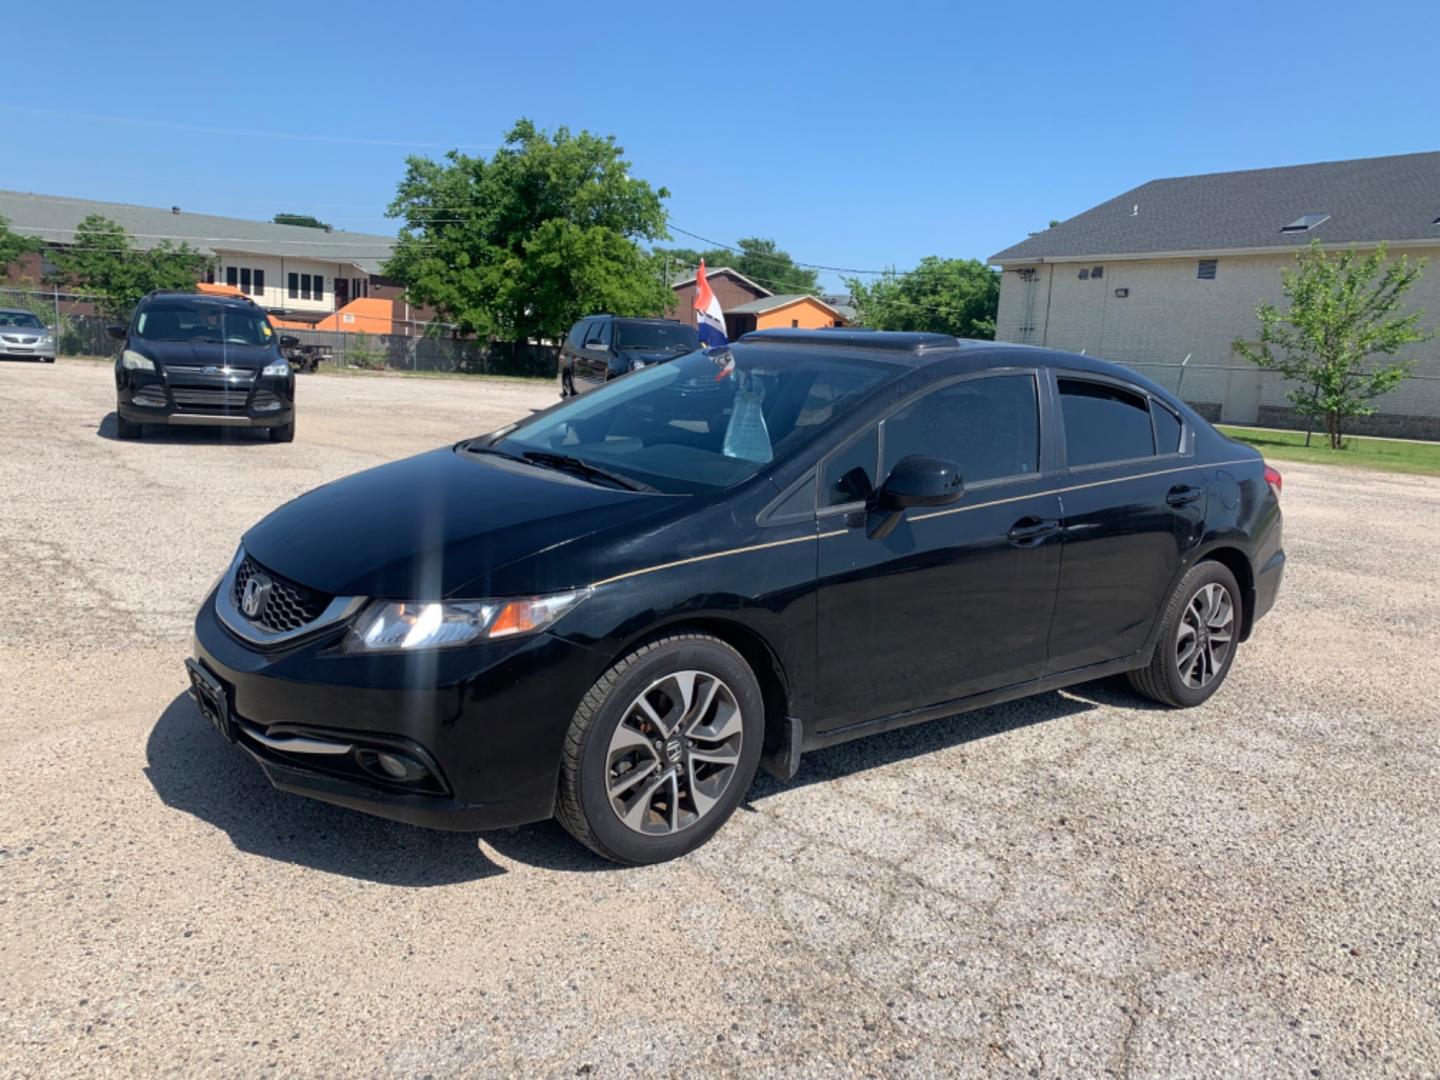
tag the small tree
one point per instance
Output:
(1344, 309)
(13, 245)
(365, 354)
(946, 296)
(103, 261)
(306, 221)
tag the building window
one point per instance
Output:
(1205, 269)
(1084, 273)
(210, 276)
(293, 286)
(245, 279)
(304, 286)
(232, 277)
(259, 282)
(1097, 273)
(795, 323)
(319, 287)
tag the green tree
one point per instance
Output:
(946, 296)
(306, 221)
(1344, 309)
(103, 261)
(522, 244)
(761, 260)
(13, 245)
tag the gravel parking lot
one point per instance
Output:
(1079, 884)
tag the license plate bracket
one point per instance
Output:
(212, 698)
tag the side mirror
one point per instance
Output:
(917, 480)
(594, 343)
(117, 332)
(288, 342)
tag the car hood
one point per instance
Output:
(441, 525)
(648, 356)
(204, 354)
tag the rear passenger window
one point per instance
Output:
(1104, 423)
(849, 476)
(1167, 429)
(990, 427)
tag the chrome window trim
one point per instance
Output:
(338, 610)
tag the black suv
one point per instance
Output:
(603, 347)
(207, 361)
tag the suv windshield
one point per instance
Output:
(676, 337)
(20, 318)
(701, 422)
(195, 320)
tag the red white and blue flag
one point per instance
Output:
(709, 319)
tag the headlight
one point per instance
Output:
(280, 368)
(47, 339)
(387, 626)
(135, 361)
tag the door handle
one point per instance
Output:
(1183, 495)
(1029, 531)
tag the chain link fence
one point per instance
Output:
(80, 331)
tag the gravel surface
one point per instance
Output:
(1074, 885)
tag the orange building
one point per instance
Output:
(787, 309)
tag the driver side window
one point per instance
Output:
(988, 426)
(849, 475)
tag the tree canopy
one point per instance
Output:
(13, 245)
(104, 261)
(1345, 309)
(522, 244)
(761, 260)
(307, 221)
(946, 296)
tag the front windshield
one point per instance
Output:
(701, 422)
(675, 337)
(192, 320)
(20, 318)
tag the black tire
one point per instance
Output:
(567, 384)
(283, 433)
(47, 359)
(1160, 680)
(583, 805)
(124, 429)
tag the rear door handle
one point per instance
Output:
(1029, 531)
(1183, 495)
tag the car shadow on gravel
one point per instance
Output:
(188, 436)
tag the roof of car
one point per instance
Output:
(209, 298)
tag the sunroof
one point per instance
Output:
(1305, 222)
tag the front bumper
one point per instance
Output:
(20, 352)
(488, 721)
(144, 397)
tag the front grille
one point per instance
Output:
(18, 339)
(285, 607)
(187, 397)
(245, 375)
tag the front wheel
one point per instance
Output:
(1199, 632)
(661, 750)
(124, 429)
(283, 433)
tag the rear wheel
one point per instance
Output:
(124, 429)
(661, 750)
(283, 433)
(1198, 637)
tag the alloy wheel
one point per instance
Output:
(1205, 636)
(674, 753)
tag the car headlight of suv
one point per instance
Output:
(280, 368)
(390, 626)
(134, 361)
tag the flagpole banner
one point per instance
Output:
(709, 319)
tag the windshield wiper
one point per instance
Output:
(571, 464)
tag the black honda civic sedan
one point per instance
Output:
(206, 361)
(614, 610)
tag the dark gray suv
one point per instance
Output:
(603, 347)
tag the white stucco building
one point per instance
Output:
(1165, 277)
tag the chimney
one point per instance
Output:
(174, 209)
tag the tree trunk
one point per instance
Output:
(1333, 423)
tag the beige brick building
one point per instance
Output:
(1165, 277)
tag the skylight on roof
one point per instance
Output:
(1305, 222)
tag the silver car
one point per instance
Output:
(22, 334)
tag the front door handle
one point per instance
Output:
(1183, 495)
(1029, 531)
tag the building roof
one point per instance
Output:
(1394, 199)
(715, 271)
(53, 218)
(771, 303)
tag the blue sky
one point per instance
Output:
(857, 135)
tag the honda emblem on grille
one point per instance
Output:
(256, 595)
(211, 369)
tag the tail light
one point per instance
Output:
(1274, 479)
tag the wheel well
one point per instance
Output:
(756, 652)
(1236, 561)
